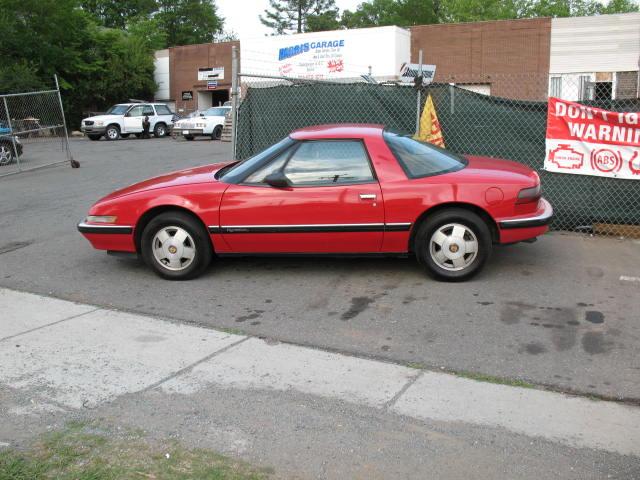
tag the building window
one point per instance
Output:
(555, 89)
(585, 87)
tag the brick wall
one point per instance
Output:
(510, 55)
(184, 63)
(627, 85)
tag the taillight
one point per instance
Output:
(527, 195)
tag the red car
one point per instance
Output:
(331, 189)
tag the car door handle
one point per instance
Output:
(368, 196)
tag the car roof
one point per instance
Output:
(338, 130)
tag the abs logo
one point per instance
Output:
(606, 160)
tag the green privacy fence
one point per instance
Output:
(472, 123)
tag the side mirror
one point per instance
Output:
(277, 179)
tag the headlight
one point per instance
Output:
(101, 219)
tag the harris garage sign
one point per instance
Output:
(591, 141)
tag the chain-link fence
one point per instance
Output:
(475, 120)
(33, 133)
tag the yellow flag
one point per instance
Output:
(430, 130)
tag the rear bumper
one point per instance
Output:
(518, 229)
(542, 217)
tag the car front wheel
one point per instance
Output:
(453, 244)
(176, 246)
(112, 132)
(6, 153)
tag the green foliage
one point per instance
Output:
(297, 16)
(405, 13)
(96, 66)
(118, 14)
(186, 22)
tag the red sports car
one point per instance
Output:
(327, 190)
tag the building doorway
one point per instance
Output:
(212, 98)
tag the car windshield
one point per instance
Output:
(240, 170)
(118, 110)
(419, 159)
(216, 112)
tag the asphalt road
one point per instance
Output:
(555, 312)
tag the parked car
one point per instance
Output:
(207, 123)
(333, 189)
(8, 153)
(123, 119)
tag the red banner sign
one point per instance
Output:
(591, 141)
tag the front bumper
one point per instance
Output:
(109, 237)
(193, 132)
(92, 130)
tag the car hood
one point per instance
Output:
(190, 176)
(104, 118)
(497, 168)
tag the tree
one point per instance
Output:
(402, 13)
(297, 16)
(117, 14)
(186, 22)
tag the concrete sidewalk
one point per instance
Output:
(59, 356)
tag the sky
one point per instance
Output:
(241, 16)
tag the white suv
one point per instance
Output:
(123, 119)
(206, 123)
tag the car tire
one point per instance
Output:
(160, 130)
(7, 153)
(189, 137)
(217, 133)
(94, 137)
(112, 133)
(453, 244)
(181, 259)
(125, 135)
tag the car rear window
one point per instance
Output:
(420, 159)
(163, 110)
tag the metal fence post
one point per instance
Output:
(74, 163)
(234, 98)
(13, 137)
(419, 96)
(452, 98)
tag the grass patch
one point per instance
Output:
(87, 452)
(481, 377)
(416, 365)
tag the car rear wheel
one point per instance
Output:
(217, 133)
(453, 244)
(176, 246)
(112, 132)
(94, 137)
(6, 153)
(160, 130)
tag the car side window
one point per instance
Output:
(276, 164)
(163, 110)
(148, 110)
(329, 163)
(135, 111)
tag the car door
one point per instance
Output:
(333, 203)
(133, 119)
